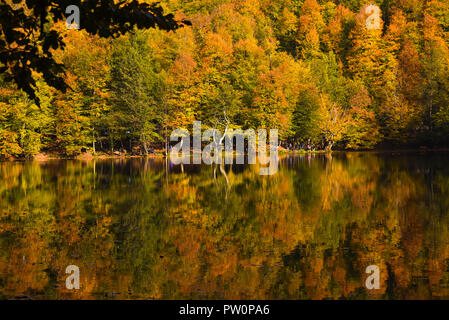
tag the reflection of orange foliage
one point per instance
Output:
(251, 239)
(26, 266)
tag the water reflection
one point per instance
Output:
(149, 230)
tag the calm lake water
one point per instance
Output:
(138, 229)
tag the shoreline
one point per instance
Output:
(43, 157)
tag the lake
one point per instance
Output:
(146, 229)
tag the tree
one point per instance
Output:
(368, 57)
(27, 38)
(436, 68)
(362, 131)
(276, 96)
(81, 110)
(306, 115)
(136, 90)
(25, 128)
(310, 27)
(333, 122)
(336, 37)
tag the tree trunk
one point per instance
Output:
(112, 146)
(145, 147)
(93, 142)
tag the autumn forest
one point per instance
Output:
(95, 107)
(311, 69)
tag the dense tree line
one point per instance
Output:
(309, 68)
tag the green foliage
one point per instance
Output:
(22, 123)
(306, 116)
(136, 88)
(27, 39)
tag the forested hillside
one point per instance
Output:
(311, 69)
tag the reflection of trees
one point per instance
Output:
(226, 232)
